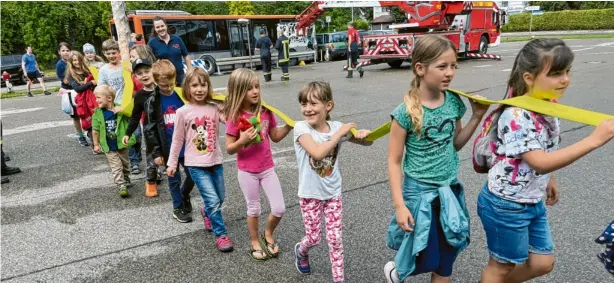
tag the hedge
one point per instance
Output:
(562, 20)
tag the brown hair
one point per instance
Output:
(64, 44)
(110, 44)
(203, 77)
(426, 50)
(239, 83)
(71, 72)
(535, 57)
(318, 90)
(144, 52)
(164, 69)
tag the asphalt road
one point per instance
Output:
(63, 221)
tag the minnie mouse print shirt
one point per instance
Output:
(521, 131)
(198, 127)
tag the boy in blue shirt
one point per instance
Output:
(107, 126)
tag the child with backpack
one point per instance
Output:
(431, 224)
(524, 151)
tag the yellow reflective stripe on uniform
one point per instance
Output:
(285, 46)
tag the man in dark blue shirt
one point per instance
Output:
(264, 44)
(171, 47)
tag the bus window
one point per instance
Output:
(114, 29)
(176, 27)
(200, 36)
(221, 35)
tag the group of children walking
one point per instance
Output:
(431, 224)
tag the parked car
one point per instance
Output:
(12, 64)
(336, 43)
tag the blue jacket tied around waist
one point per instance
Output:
(454, 219)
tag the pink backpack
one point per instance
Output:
(484, 144)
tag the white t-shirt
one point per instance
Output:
(318, 179)
(521, 131)
(113, 77)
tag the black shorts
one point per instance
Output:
(34, 75)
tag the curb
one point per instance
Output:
(557, 33)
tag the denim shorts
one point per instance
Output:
(513, 230)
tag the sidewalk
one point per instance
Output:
(556, 32)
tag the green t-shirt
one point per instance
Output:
(432, 157)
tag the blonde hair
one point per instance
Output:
(105, 90)
(164, 69)
(318, 90)
(144, 52)
(72, 73)
(202, 77)
(110, 44)
(239, 83)
(426, 50)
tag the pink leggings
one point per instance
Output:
(250, 185)
(333, 215)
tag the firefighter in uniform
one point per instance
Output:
(353, 38)
(264, 44)
(283, 58)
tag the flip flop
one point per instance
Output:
(267, 247)
(262, 253)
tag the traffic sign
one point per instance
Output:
(540, 12)
(531, 8)
(328, 19)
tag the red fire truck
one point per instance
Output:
(471, 26)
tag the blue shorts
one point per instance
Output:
(513, 230)
(438, 256)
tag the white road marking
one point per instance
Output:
(220, 89)
(506, 70)
(482, 66)
(604, 44)
(11, 111)
(588, 48)
(598, 53)
(37, 126)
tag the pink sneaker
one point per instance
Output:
(223, 243)
(206, 219)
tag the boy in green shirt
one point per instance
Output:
(107, 125)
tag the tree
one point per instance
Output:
(572, 5)
(122, 27)
(274, 8)
(241, 8)
(205, 8)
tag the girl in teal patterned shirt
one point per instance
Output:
(431, 225)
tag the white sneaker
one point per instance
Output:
(390, 271)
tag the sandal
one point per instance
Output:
(268, 247)
(262, 253)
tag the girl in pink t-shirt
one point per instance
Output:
(254, 158)
(197, 125)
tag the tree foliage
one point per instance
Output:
(572, 5)
(241, 8)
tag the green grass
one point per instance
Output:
(25, 92)
(579, 36)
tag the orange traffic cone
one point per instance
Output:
(151, 190)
